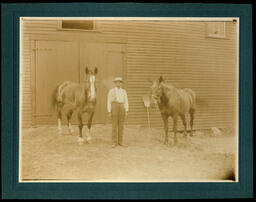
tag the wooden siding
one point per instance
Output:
(179, 51)
(183, 54)
(30, 29)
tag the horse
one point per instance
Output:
(175, 103)
(80, 97)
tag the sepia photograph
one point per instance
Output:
(129, 99)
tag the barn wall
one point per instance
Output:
(30, 29)
(184, 56)
(179, 51)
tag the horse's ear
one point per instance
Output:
(161, 79)
(95, 70)
(86, 70)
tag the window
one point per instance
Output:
(77, 24)
(216, 29)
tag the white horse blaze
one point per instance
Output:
(92, 87)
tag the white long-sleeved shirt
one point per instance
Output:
(117, 95)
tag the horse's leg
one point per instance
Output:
(175, 120)
(79, 115)
(191, 112)
(69, 115)
(59, 108)
(89, 125)
(165, 119)
(183, 118)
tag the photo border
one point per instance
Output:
(12, 189)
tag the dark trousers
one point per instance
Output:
(118, 117)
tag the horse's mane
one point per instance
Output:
(169, 90)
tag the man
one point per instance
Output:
(117, 105)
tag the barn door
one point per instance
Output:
(109, 59)
(55, 62)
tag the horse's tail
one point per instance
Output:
(58, 95)
(54, 101)
(192, 97)
(195, 100)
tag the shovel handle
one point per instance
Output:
(148, 118)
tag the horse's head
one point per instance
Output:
(91, 80)
(156, 90)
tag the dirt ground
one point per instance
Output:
(48, 156)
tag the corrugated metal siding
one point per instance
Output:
(179, 51)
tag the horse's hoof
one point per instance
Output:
(88, 139)
(80, 140)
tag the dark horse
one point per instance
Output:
(80, 97)
(175, 103)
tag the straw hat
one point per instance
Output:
(118, 79)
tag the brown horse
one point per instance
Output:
(80, 97)
(175, 103)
